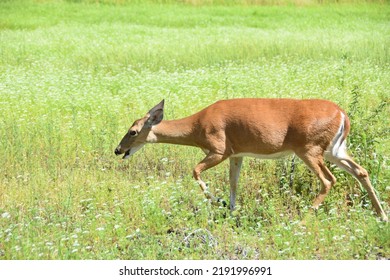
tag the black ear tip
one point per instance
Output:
(161, 104)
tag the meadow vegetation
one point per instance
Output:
(75, 74)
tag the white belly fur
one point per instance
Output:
(269, 156)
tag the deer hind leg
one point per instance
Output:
(345, 162)
(234, 173)
(212, 159)
(315, 161)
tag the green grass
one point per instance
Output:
(73, 77)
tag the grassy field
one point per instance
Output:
(75, 74)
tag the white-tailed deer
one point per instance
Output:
(263, 128)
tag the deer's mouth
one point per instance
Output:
(127, 154)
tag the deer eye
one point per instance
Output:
(133, 133)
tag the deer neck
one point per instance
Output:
(173, 132)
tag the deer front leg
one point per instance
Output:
(234, 173)
(211, 160)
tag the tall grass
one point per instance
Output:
(228, 2)
(73, 76)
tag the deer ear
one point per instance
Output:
(156, 114)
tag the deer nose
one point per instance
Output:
(117, 151)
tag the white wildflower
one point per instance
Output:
(6, 215)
